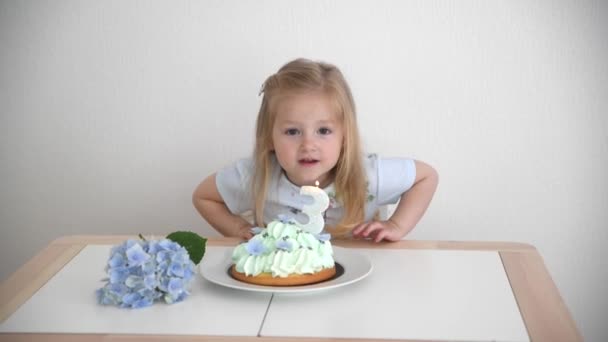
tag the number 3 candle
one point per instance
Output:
(314, 211)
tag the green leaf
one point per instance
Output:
(192, 242)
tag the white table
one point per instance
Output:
(417, 291)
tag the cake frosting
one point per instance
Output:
(283, 249)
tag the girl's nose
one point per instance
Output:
(308, 142)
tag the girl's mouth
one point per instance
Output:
(307, 161)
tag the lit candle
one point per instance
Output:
(314, 211)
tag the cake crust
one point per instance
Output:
(291, 280)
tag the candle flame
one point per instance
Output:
(317, 184)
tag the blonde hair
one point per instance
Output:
(302, 75)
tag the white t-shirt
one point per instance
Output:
(388, 179)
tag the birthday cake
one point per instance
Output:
(283, 254)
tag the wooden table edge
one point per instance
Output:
(11, 337)
(514, 255)
(543, 310)
(407, 244)
(29, 278)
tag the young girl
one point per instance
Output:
(306, 132)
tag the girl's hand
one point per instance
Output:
(244, 232)
(378, 231)
(411, 207)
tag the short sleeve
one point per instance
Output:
(395, 176)
(234, 183)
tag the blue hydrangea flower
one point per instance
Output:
(117, 260)
(175, 286)
(284, 245)
(176, 269)
(285, 219)
(136, 255)
(255, 247)
(323, 237)
(256, 230)
(140, 272)
(118, 274)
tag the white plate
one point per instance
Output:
(356, 267)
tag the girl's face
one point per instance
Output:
(307, 138)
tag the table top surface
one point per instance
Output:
(498, 288)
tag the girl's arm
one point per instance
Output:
(209, 203)
(409, 211)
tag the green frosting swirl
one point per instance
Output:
(283, 249)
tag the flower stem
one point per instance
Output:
(142, 237)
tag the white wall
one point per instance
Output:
(113, 111)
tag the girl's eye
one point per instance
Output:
(324, 131)
(292, 131)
